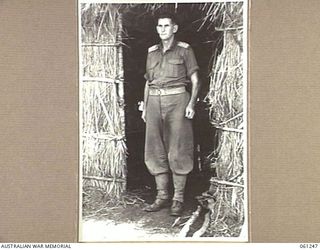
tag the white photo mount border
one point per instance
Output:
(113, 137)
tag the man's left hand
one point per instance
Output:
(190, 111)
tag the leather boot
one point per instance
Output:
(176, 208)
(157, 205)
(179, 183)
(162, 199)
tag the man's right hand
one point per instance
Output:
(143, 116)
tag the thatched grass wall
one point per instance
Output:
(102, 128)
(225, 99)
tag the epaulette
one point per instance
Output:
(183, 45)
(153, 48)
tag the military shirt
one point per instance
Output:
(171, 68)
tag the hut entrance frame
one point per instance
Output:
(111, 126)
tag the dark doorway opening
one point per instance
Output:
(139, 26)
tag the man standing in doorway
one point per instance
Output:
(168, 113)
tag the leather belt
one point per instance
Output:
(167, 91)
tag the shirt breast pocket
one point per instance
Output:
(175, 67)
(151, 69)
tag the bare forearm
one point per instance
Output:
(195, 88)
(146, 94)
(190, 109)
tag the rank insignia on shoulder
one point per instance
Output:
(153, 48)
(183, 45)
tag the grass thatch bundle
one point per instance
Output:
(227, 210)
(102, 128)
(225, 100)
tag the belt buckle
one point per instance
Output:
(160, 92)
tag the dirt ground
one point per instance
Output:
(125, 220)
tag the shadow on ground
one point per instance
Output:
(113, 220)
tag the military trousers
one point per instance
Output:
(169, 135)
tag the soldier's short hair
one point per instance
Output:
(167, 15)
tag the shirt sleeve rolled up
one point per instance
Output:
(190, 62)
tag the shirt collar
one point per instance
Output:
(173, 45)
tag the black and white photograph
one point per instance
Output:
(163, 152)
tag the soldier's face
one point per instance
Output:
(166, 29)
